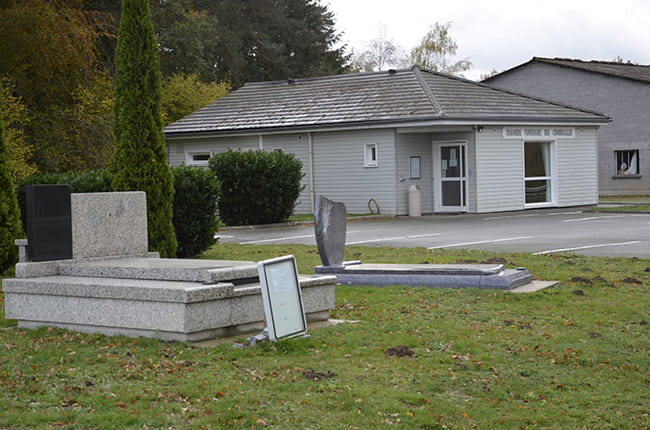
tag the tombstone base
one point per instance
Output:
(482, 276)
(182, 300)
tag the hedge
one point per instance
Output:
(257, 187)
(194, 208)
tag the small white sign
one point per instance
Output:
(282, 297)
(536, 133)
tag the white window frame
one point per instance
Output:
(438, 178)
(552, 177)
(370, 156)
(191, 161)
(631, 156)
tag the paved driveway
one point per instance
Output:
(545, 231)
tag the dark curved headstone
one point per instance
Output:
(330, 223)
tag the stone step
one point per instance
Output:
(171, 310)
(165, 269)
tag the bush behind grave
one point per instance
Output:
(91, 181)
(195, 202)
(195, 209)
(257, 187)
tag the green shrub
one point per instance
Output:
(140, 157)
(9, 213)
(257, 187)
(195, 204)
(195, 209)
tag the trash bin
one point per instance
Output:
(415, 201)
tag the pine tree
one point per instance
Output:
(10, 225)
(140, 158)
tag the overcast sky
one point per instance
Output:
(500, 34)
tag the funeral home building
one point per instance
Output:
(620, 90)
(364, 139)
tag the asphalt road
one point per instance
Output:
(548, 231)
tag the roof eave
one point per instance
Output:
(457, 121)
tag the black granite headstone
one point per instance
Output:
(49, 222)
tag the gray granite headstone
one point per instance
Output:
(330, 223)
(109, 224)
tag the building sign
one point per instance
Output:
(539, 133)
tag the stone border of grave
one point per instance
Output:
(330, 228)
(120, 288)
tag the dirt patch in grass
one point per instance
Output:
(318, 376)
(581, 279)
(400, 351)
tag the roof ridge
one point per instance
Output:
(309, 79)
(427, 90)
(579, 61)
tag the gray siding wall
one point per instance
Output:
(339, 171)
(340, 175)
(499, 172)
(177, 148)
(414, 145)
(624, 100)
(297, 144)
(577, 168)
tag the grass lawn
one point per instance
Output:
(573, 356)
(626, 208)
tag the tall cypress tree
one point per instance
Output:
(140, 158)
(10, 225)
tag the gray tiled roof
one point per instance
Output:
(408, 95)
(622, 70)
(634, 72)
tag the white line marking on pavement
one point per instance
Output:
(393, 238)
(506, 239)
(374, 240)
(600, 245)
(594, 217)
(509, 216)
(565, 213)
(277, 239)
(530, 215)
(423, 235)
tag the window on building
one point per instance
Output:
(627, 162)
(370, 155)
(415, 170)
(197, 158)
(537, 165)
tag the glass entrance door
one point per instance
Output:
(451, 171)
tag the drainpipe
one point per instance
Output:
(312, 193)
(260, 142)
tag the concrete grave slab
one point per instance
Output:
(113, 285)
(131, 299)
